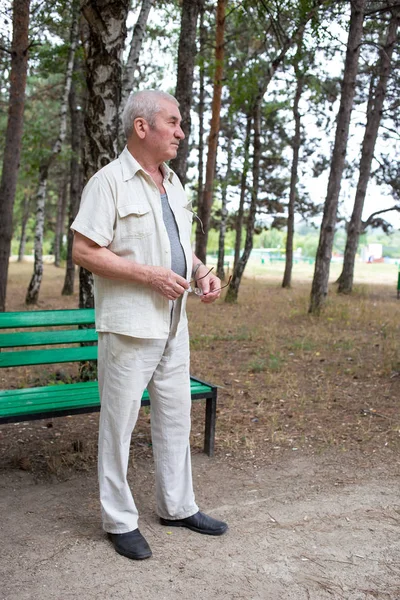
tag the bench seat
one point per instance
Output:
(49, 401)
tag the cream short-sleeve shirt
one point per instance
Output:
(121, 210)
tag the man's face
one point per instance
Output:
(164, 137)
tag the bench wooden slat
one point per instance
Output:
(46, 318)
(45, 338)
(46, 357)
(61, 397)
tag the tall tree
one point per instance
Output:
(233, 290)
(376, 99)
(296, 142)
(105, 39)
(13, 137)
(184, 82)
(32, 294)
(319, 288)
(128, 74)
(201, 110)
(60, 220)
(205, 209)
(268, 68)
(224, 199)
(243, 189)
(75, 185)
(24, 222)
(139, 30)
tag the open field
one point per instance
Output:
(306, 470)
(374, 273)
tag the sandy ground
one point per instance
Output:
(302, 527)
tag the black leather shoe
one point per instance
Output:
(131, 544)
(199, 522)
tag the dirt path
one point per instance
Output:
(301, 528)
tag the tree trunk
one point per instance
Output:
(319, 289)
(287, 276)
(374, 114)
(75, 188)
(224, 209)
(184, 85)
(61, 209)
(128, 78)
(106, 33)
(24, 222)
(233, 290)
(86, 289)
(13, 136)
(205, 213)
(32, 294)
(200, 183)
(243, 186)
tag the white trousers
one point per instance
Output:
(126, 367)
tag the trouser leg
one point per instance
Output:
(169, 390)
(125, 366)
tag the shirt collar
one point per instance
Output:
(130, 167)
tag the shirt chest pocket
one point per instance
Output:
(135, 220)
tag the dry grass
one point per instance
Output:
(296, 381)
(288, 380)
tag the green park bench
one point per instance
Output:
(55, 336)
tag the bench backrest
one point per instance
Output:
(47, 328)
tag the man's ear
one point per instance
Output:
(140, 126)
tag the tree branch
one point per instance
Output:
(379, 212)
(382, 9)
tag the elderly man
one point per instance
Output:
(133, 233)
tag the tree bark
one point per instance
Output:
(287, 276)
(184, 84)
(106, 20)
(205, 212)
(106, 33)
(243, 186)
(24, 222)
(128, 80)
(13, 136)
(319, 289)
(32, 294)
(75, 189)
(374, 113)
(200, 183)
(233, 290)
(128, 77)
(60, 221)
(224, 209)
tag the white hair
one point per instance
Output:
(145, 104)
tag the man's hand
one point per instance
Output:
(167, 283)
(209, 285)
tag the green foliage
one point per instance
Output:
(255, 35)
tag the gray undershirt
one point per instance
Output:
(178, 260)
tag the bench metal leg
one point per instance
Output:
(211, 417)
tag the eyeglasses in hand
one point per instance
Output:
(199, 292)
